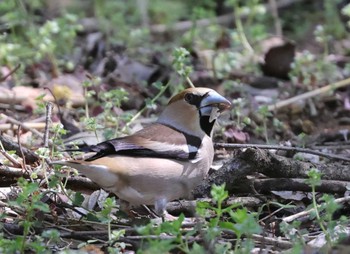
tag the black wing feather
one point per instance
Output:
(128, 146)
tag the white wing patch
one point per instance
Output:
(163, 147)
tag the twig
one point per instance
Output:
(11, 172)
(29, 125)
(189, 206)
(15, 107)
(21, 150)
(286, 148)
(189, 81)
(77, 183)
(263, 239)
(10, 73)
(273, 241)
(13, 98)
(266, 185)
(47, 123)
(310, 94)
(331, 147)
(24, 126)
(9, 157)
(273, 213)
(304, 213)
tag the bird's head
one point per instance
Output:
(194, 110)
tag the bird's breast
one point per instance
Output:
(144, 180)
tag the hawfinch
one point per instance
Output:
(163, 161)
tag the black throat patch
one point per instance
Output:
(206, 125)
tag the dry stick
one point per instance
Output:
(13, 98)
(23, 164)
(24, 126)
(273, 213)
(10, 73)
(273, 241)
(286, 148)
(29, 125)
(8, 144)
(10, 158)
(74, 183)
(310, 94)
(15, 107)
(304, 213)
(264, 185)
(264, 239)
(47, 123)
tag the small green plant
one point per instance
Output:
(322, 213)
(29, 202)
(323, 38)
(346, 11)
(302, 139)
(88, 94)
(315, 180)
(238, 220)
(333, 23)
(219, 218)
(108, 101)
(253, 29)
(181, 63)
(105, 214)
(57, 132)
(293, 232)
(264, 112)
(32, 40)
(172, 229)
(327, 209)
(241, 121)
(310, 71)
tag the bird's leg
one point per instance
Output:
(160, 206)
(160, 209)
(125, 207)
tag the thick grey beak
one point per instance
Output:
(213, 101)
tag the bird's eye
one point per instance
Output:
(189, 97)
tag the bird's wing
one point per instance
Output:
(156, 140)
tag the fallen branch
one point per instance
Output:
(305, 213)
(298, 184)
(13, 98)
(24, 126)
(234, 172)
(10, 73)
(28, 126)
(275, 241)
(310, 94)
(10, 158)
(189, 206)
(9, 176)
(286, 148)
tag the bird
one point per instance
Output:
(162, 162)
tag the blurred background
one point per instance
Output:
(117, 55)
